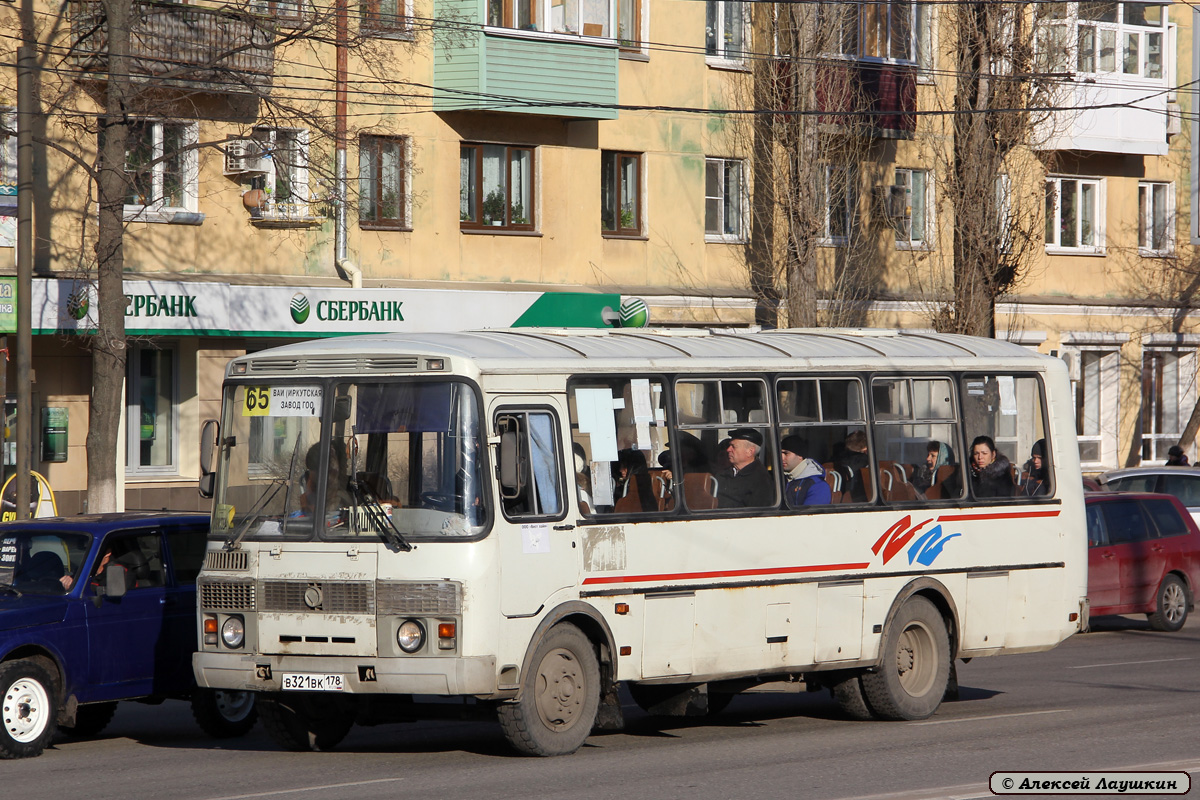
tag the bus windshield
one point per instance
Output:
(369, 460)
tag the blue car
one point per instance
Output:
(96, 609)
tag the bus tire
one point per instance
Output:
(559, 698)
(1171, 606)
(914, 664)
(28, 708)
(293, 725)
(224, 713)
(848, 693)
(89, 720)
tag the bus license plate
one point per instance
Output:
(301, 682)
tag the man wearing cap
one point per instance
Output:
(746, 484)
(1176, 457)
(806, 485)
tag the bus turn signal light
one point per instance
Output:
(210, 630)
(622, 608)
(446, 633)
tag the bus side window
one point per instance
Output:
(529, 466)
(1010, 409)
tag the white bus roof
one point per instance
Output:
(558, 350)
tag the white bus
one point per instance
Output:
(517, 521)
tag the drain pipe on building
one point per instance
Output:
(348, 269)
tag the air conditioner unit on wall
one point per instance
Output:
(243, 156)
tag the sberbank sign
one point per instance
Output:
(153, 305)
(347, 310)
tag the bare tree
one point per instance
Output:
(128, 60)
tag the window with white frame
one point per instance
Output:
(1102, 38)
(385, 17)
(151, 406)
(1155, 218)
(923, 36)
(283, 10)
(1004, 211)
(912, 224)
(1074, 214)
(382, 182)
(725, 29)
(161, 167)
(838, 199)
(629, 24)
(724, 191)
(1095, 383)
(1168, 394)
(8, 146)
(593, 18)
(283, 156)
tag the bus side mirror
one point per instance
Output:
(208, 446)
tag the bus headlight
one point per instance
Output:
(233, 632)
(410, 636)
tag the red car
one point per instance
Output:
(1143, 557)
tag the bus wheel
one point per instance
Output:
(89, 720)
(224, 713)
(28, 707)
(296, 725)
(914, 664)
(1172, 606)
(848, 693)
(559, 696)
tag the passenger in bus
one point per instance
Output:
(991, 471)
(806, 485)
(853, 456)
(938, 455)
(583, 478)
(746, 483)
(1036, 481)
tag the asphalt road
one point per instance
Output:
(1122, 697)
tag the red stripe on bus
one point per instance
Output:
(732, 573)
(998, 515)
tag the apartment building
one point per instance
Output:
(534, 161)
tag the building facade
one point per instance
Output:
(520, 163)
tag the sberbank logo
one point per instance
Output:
(77, 304)
(299, 308)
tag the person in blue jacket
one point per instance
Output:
(806, 484)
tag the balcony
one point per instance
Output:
(188, 47)
(521, 71)
(1114, 118)
(871, 97)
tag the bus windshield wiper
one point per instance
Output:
(8, 587)
(378, 518)
(252, 515)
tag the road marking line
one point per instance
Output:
(1129, 663)
(991, 716)
(299, 789)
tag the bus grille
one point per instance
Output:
(326, 597)
(405, 598)
(227, 595)
(227, 559)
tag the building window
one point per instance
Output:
(629, 24)
(839, 199)
(382, 186)
(912, 221)
(1155, 219)
(160, 165)
(151, 394)
(1074, 214)
(1167, 398)
(496, 187)
(1004, 211)
(577, 17)
(1101, 37)
(897, 30)
(285, 10)
(620, 193)
(724, 192)
(725, 30)
(1094, 379)
(384, 17)
(8, 147)
(283, 172)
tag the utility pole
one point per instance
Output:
(26, 63)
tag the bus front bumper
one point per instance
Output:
(366, 675)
